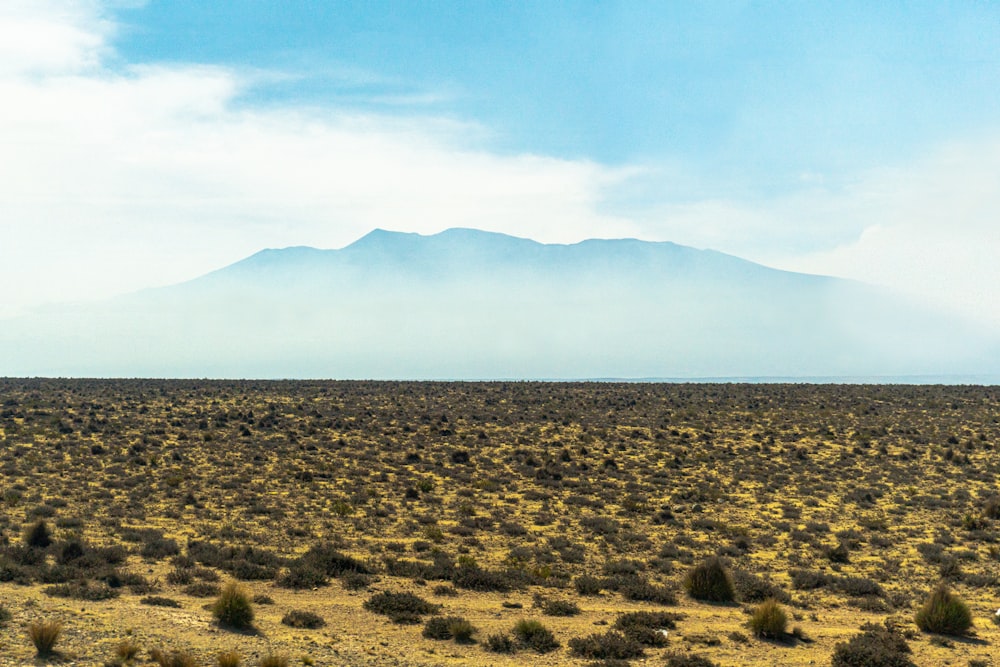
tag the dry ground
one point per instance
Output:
(848, 502)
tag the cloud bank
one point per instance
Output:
(121, 175)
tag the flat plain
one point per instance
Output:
(528, 522)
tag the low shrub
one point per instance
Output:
(647, 627)
(83, 590)
(202, 589)
(298, 618)
(586, 584)
(688, 660)
(228, 659)
(709, 581)
(449, 627)
(751, 588)
(944, 614)
(560, 608)
(172, 659)
(400, 607)
(5, 615)
(500, 643)
(875, 646)
(273, 660)
(157, 601)
(768, 620)
(535, 636)
(611, 645)
(127, 650)
(37, 535)
(233, 609)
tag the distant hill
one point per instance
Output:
(471, 304)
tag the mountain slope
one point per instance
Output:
(471, 304)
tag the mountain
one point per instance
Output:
(471, 304)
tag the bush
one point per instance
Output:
(768, 620)
(127, 650)
(751, 588)
(710, 581)
(38, 535)
(560, 608)
(500, 643)
(202, 589)
(643, 591)
(400, 607)
(157, 601)
(587, 585)
(647, 627)
(172, 659)
(876, 646)
(5, 615)
(449, 627)
(233, 609)
(532, 634)
(611, 645)
(44, 635)
(688, 660)
(302, 619)
(273, 660)
(944, 613)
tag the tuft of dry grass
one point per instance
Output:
(44, 635)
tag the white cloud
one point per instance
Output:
(116, 180)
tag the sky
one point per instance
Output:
(147, 143)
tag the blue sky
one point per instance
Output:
(150, 142)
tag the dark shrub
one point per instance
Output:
(858, 586)
(83, 590)
(587, 585)
(644, 591)
(688, 660)
(611, 645)
(300, 576)
(500, 643)
(172, 659)
(202, 589)
(751, 588)
(449, 627)
(355, 581)
(710, 581)
(38, 535)
(5, 616)
(560, 608)
(157, 601)
(876, 646)
(647, 627)
(532, 634)
(944, 613)
(325, 558)
(233, 609)
(475, 578)
(302, 619)
(808, 580)
(768, 620)
(400, 607)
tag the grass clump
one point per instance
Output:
(560, 608)
(159, 601)
(611, 645)
(768, 620)
(944, 613)
(875, 646)
(233, 609)
(273, 660)
(688, 660)
(5, 615)
(500, 643)
(172, 659)
(44, 635)
(533, 635)
(228, 659)
(709, 581)
(298, 618)
(400, 607)
(127, 651)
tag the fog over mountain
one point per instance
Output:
(478, 305)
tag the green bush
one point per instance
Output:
(302, 619)
(876, 646)
(532, 634)
(944, 613)
(233, 609)
(768, 620)
(611, 645)
(710, 581)
(400, 607)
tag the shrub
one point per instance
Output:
(127, 650)
(560, 608)
(228, 659)
(710, 581)
(768, 620)
(273, 660)
(611, 645)
(172, 659)
(355, 581)
(751, 588)
(445, 590)
(532, 634)
(587, 585)
(38, 535)
(644, 591)
(44, 635)
(475, 578)
(500, 643)
(688, 660)
(647, 627)
(449, 627)
(232, 608)
(400, 607)
(157, 601)
(202, 589)
(298, 618)
(83, 590)
(5, 615)
(944, 613)
(876, 646)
